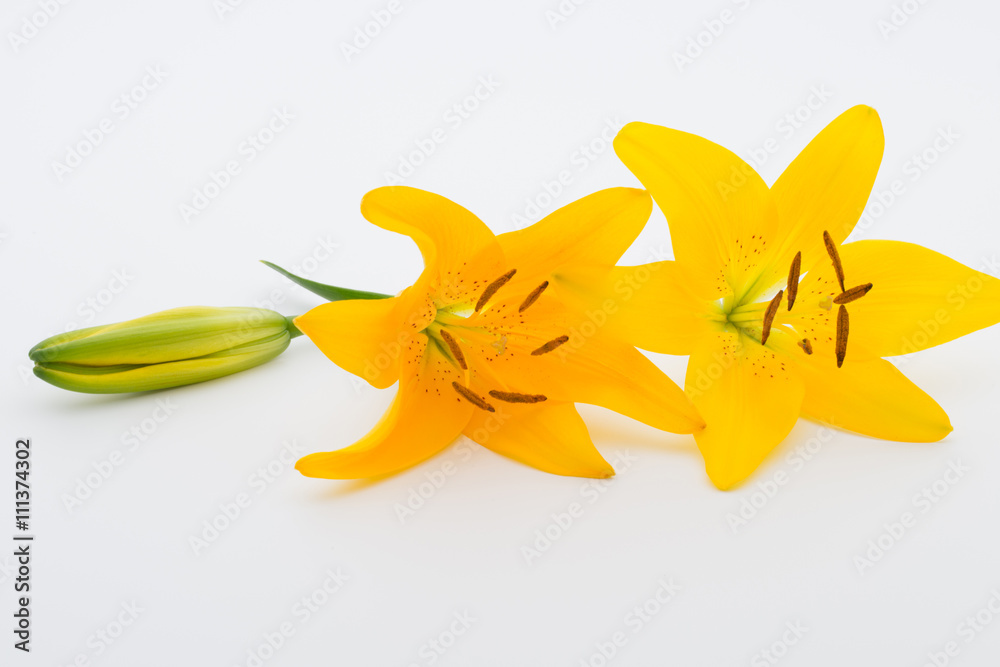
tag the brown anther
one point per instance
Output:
(472, 397)
(793, 279)
(806, 345)
(772, 310)
(456, 351)
(843, 327)
(551, 345)
(852, 294)
(513, 397)
(492, 288)
(533, 297)
(831, 250)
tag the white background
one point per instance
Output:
(63, 240)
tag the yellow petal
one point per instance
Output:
(426, 415)
(750, 398)
(825, 188)
(870, 397)
(919, 299)
(461, 254)
(660, 307)
(718, 208)
(367, 337)
(548, 436)
(596, 229)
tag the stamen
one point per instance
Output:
(843, 326)
(793, 279)
(806, 345)
(831, 250)
(492, 288)
(772, 310)
(456, 351)
(533, 297)
(472, 397)
(853, 294)
(512, 397)
(551, 345)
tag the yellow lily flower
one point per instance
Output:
(779, 315)
(494, 339)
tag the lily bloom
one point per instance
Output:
(497, 339)
(780, 316)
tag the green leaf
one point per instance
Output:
(328, 292)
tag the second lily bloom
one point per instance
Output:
(780, 317)
(493, 340)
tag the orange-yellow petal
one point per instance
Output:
(594, 230)
(461, 254)
(426, 415)
(549, 436)
(367, 337)
(750, 398)
(597, 370)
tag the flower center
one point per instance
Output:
(749, 318)
(455, 333)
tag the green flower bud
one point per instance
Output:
(166, 349)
